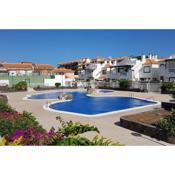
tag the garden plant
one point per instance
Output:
(23, 129)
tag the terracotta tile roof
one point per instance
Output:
(70, 76)
(162, 59)
(62, 70)
(17, 66)
(71, 62)
(44, 67)
(150, 61)
(100, 59)
(119, 59)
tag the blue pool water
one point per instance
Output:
(52, 95)
(83, 104)
(106, 91)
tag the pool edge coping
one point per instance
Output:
(46, 107)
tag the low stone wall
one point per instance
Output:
(168, 105)
(143, 128)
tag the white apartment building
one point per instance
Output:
(60, 75)
(144, 68)
(18, 69)
(96, 68)
(167, 69)
(150, 69)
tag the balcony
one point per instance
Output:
(91, 66)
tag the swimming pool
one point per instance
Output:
(51, 95)
(105, 91)
(81, 104)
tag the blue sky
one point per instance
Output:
(54, 46)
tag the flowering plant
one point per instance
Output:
(31, 136)
(9, 115)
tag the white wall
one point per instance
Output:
(20, 72)
(4, 82)
(12, 73)
(57, 79)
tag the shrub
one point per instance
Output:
(57, 85)
(38, 87)
(168, 124)
(27, 120)
(166, 86)
(22, 85)
(74, 84)
(74, 128)
(4, 107)
(31, 136)
(124, 84)
(16, 142)
(82, 141)
(6, 127)
(11, 122)
(66, 135)
(3, 98)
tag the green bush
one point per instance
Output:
(125, 84)
(74, 128)
(23, 121)
(4, 107)
(3, 98)
(6, 127)
(168, 124)
(14, 125)
(166, 86)
(27, 120)
(173, 94)
(74, 84)
(22, 85)
(57, 85)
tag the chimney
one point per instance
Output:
(143, 58)
(150, 56)
(156, 57)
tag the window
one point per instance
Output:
(162, 78)
(171, 78)
(104, 72)
(52, 76)
(154, 79)
(146, 69)
(142, 79)
(162, 65)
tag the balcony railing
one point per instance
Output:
(91, 66)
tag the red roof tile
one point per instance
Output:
(150, 61)
(44, 67)
(17, 65)
(62, 70)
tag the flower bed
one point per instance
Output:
(23, 129)
(158, 123)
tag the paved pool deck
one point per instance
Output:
(108, 124)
